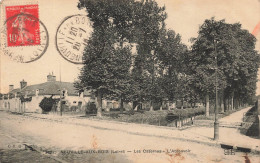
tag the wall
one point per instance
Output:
(33, 106)
(10, 104)
(74, 100)
(15, 105)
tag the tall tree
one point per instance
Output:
(172, 54)
(148, 23)
(229, 49)
(107, 57)
(205, 59)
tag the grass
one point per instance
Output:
(158, 118)
(251, 125)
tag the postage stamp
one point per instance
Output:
(23, 27)
(24, 38)
(72, 36)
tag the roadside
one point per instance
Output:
(57, 133)
(228, 131)
(12, 150)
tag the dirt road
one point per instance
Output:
(121, 146)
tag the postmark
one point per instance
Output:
(24, 38)
(72, 36)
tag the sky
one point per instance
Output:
(184, 17)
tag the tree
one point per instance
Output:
(107, 57)
(105, 71)
(148, 23)
(227, 52)
(172, 57)
(246, 66)
(47, 103)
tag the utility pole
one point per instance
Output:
(216, 123)
(60, 94)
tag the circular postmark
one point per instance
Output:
(24, 38)
(72, 36)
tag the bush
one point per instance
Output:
(251, 125)
(171, 117)
(185, 113)
(91, 108)
(74, 108)
(47, 103)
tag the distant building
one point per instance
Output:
(35, 94)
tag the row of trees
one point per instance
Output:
(132, 57)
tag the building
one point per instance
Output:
(35, 93)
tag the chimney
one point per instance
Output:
(37, 92)
(23, 84)
(51, 77)
(11, 87)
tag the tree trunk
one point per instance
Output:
(182, 103)
(168, 105)
(235, 103)
(222, 104)
(232, 101)
(225, 104)
(228, 104)
(207, 105)
(99, 103)
(121, 105)
(151, 107)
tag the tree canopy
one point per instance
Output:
(132, 56)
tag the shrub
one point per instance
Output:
(251, 125)
(47, 103)
(23, 99)
(189, 112)
(74, 108)
(91, 108)
(171, 117)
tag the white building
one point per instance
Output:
(35, 94)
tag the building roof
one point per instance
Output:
(15, 90)
(50, 88)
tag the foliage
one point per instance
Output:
(251, 127)
(25, 99)
(47, 103)
(227, 52)
(108, 55)
(146, 70)
(161, 118)
(91, 108)
(11, 95)
(132, 57)
(172, 53)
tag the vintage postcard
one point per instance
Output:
(142, 81)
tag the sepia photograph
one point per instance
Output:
(129, 81)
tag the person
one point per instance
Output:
(19, 31)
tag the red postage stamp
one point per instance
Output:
(22, 24)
